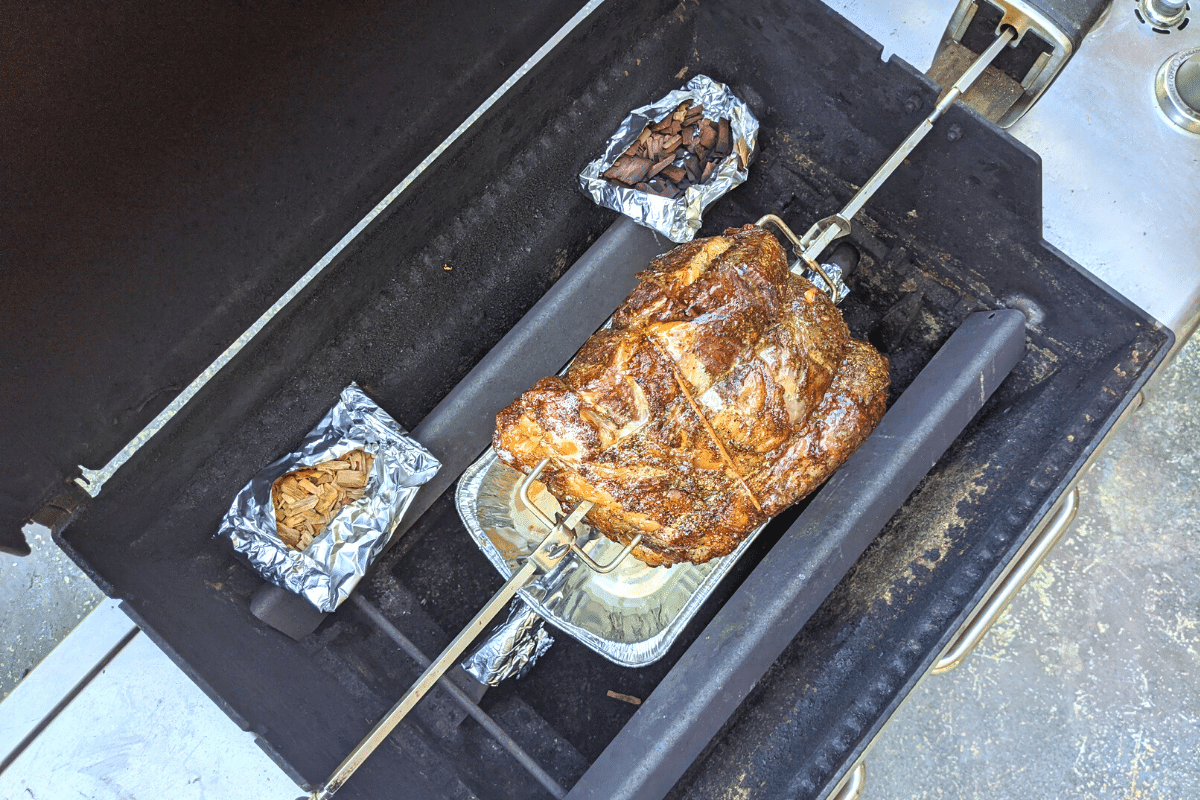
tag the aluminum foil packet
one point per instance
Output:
(678, 219)
(511, 648)
(328, 570)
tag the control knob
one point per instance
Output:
(1177, 87)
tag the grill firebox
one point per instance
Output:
(956, 230)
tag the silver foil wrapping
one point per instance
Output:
(677, 219)
(511, 647)
(329, 569)
(838, 292)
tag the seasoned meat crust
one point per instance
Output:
(726, 390)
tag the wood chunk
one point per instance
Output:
(673, 142)
(724, 138)
(629, 169)
(692, 165)
(708, 133)
(308, 486)
(709, 168)
(674, 174)
(661, 165)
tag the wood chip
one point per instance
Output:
(743, 152)
(351, 479)
(724, 138)
(626, 698)
(660, 166)
(297, 506)
(306, 500)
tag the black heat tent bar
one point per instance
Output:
(708, 683)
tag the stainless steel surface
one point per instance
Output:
(1187, 81)
(1023, 18)
(1087, 685)
(1005, 589)
(1115, 171)
(93, 480)
(553, 549)
(1164, 13)
(824, 232)
(139, 729)
(851, 786)
(462, 698)
(1177, 88)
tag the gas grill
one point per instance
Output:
(490, 268)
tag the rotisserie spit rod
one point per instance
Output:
(826, 231)
(558, 545)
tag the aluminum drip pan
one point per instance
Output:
(631, 615)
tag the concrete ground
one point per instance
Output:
(1087, 687)
(43, 596)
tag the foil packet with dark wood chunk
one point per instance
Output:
(670, 160)
(681, 150)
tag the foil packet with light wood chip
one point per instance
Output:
(314, 520)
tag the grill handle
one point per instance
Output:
(982, 619)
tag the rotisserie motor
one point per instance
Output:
(726, 389)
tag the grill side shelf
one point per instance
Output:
(717, 672)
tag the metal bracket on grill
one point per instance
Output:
(1048, 32)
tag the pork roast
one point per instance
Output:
(726, 389)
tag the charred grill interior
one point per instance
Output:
(956, 230)
(726, 389)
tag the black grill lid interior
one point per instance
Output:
(957, 230)
(169, 173)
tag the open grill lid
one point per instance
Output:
(167, 184)
(957, 230)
